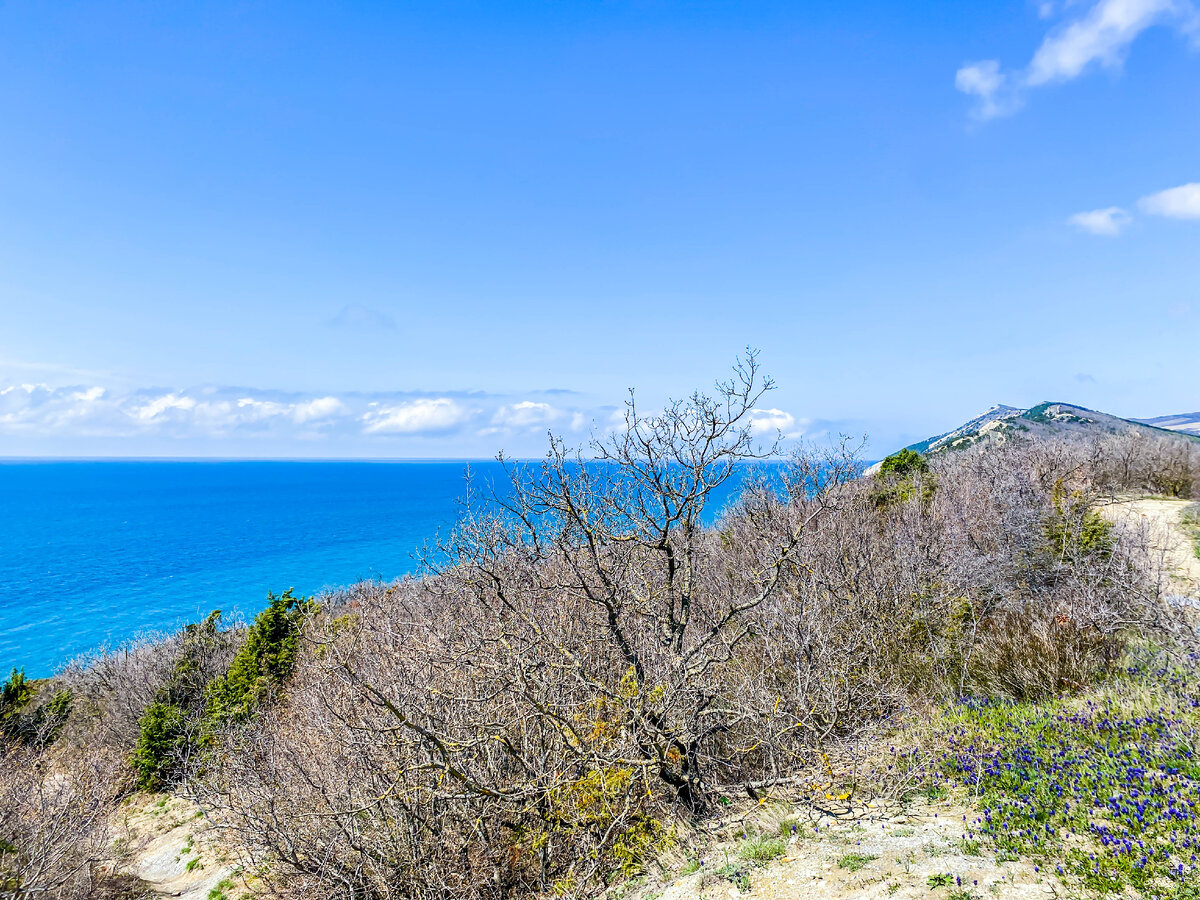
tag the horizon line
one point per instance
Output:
(4, 460)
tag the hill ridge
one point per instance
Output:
(1053, 416)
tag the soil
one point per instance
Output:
(1167, 534)
(165, 843)
(918, 851)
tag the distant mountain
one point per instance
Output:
(1051, 418)
(1188, 423)
(996, 418)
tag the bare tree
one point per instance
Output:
(54, 810)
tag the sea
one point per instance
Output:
(97, 553)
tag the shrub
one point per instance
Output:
(1074, 529)
(55, 809)
(17, 692)
(111, 690)
(1175, 477)
(262, 663)
(902, 476)
(198, 698)
(160, 745)
(25, 721)
(903, 463)
(167, 729)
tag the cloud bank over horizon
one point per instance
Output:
(213, 420)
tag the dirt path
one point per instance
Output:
(1167, 534)
(920, 852)
(166, 844)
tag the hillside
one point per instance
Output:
(1051, 418)
(1187, 423)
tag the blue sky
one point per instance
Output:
(437, 229)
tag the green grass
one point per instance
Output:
(218, 892)
(1191, 515)
(761, 849)
(941, 879)
(790, 828)
(852, 862)
(756, 850)
(969, 847)
(1191, 521)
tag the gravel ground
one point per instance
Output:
(918, 852)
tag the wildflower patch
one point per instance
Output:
(1105, 792)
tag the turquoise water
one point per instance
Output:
(95, 553)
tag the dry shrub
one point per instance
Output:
(411, 767)
(1031, 655)
(112, 688)
(1158, 464)
(1072, 589)
(586, 662)
(54, 809)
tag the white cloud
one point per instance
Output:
(985, 81)
(764, 422)
(1181, 202)
(1100, 36)
(211, 412)
(1110, 221)
(424, 416)
(526, 414)
(1103, 35)
(39, 407)
(250, 409)
(212, 416)
(318, 410)
(160, 405)
(616, 420)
